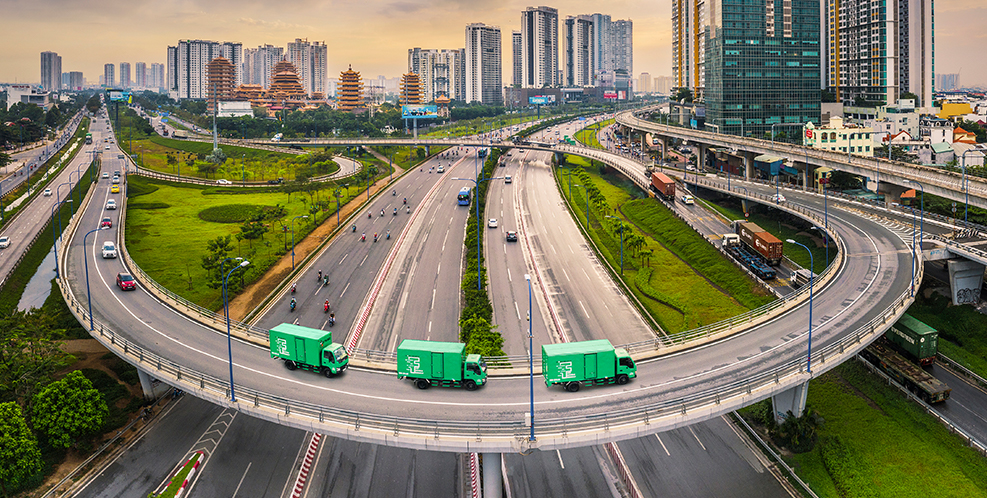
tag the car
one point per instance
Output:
(115, 189)
(778, 198)
(492, 223)
(107, 147)
(116, 180)
(117, 172)
(126, 282)
(440, 169)
(106, 223)
(507, 179)
(111, 204)
(4, 242)
(105, 175)
(47, 192)
(109, 250)
(223, 181)
(687, 199)
(512, 236)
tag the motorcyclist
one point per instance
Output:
(354, 228)
(405, 200)
(364, 237)
(320, 274)
(408, 209)
(382, 212)
(292, 304)
(375, 236)
(368, 214)
(388, 235)
(292, 288)
(325, 307)
(394, 192)
(325, 280)
(395, 211)
(332, 319)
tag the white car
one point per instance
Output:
(105, 175)
(116, 180)
(440, 169)
(111, 204)
(507, 179)
(4, 242)
(687, 199)
(223, 181)
(492, 223)
(109, 250)
(47, 192)
(778, 198)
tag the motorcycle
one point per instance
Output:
(375, 237)
(292, 304)
(332, 319)
(368, 214)
(382, 212)
(395, 211)
(388, 235)
(325, 308)
(405, 200)
(325, 280)
(354, 228)
(394, 192)
(363, 238)
(292, 288)
(408, 210)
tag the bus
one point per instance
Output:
(464, 196)
(89, 138)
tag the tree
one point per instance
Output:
(5, 159)
(218, 250)
(976, 129)
(897, 153)
(909, 95)
(252, 230)
(28, 354)
(68, 409)
(841, 180)
(827, 96)
(683, 94)
(93, 104)
(20, 458)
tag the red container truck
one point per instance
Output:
(662, 185)
(758, 239)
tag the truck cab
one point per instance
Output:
(625, 364)
(475, 370)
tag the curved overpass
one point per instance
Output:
(677, 386)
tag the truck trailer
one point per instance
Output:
(446, 364)
(908, 374)
(664, 186)
(760, 240)
(586, 362)
(308, 349)
(916, 340)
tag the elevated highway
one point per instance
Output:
(694, 376)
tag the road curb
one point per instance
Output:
(313, 447)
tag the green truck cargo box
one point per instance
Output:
(440, 363)
(590, 362)
(308, 349)
(914, 338)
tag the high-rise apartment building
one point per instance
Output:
(516, 58)
(140, 75)
(690, 21)
(758, 77)
(109, 76)
(539, 47)
(483, 64)
(878, 51)
(259, 64)
(644, 83)
(171, 75)
(51, 71)
(579, 44)
(442, 72)
(188, 79)
(311, 61)
(602, 46)
(156, 79)
(76, 81)
(125, 80)
(622, 40)
(946, 82)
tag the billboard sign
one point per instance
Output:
(541, 99)
(419, 111)
(609, 95)
(119, 96)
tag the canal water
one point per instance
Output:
(39, 287)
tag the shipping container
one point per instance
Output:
(308, 349)
(760, 240)
(586, 362)
(663, 185)
(445, 364)
(915, 339)
(906, 373)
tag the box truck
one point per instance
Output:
(586, 362)
(308, 349)
(446, 364)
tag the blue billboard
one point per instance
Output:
(541, 100)
(419, 112)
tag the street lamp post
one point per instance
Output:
(966, 186)
(226, 306)
(621, 242)
(89, 294)
(56, 237)
(812, 278)
(476, 201)
(293, 239)
(912, 286)
(531, 363)
(921, 223)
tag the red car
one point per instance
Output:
(106, 223)
(126, 282)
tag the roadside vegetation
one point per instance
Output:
(867, 439)
(588, 137)
(680, 279)
(962, 329)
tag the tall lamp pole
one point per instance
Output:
(229, 339)
(812, 278)
(89, 294)
(531, 363)
(293, 239)
(921, 222)
(56, 237)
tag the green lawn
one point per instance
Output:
(588, 135)
(674, 293)
(875, 443)
(163, 220)
(474, 126)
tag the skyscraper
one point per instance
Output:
(602, 46)
(690, 21)
(157, 76)
(442, 72)
(51, 71)
(878, 51)
(171, 76)
(758, 77)
(539, 47)
(579, 44)
(622, 40)
(310, 60)
(188, 81)
(516, 58)
(76, 80)
(483, 64)
(140, 75)
(109, 76)
(644, 83)
(125, 80)
(262, 62)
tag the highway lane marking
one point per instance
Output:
(438, 270)
(432, 306)
(584, 309)
(241, 480)
(517, 310)
(559, 454)
(344, 290)
(509, 279)
(323, 327)
(566, 275)
(553, 248)
(662, 443)
(295, 321)
(365, 259)
(344, 259)
(571, 249)
(697, 438)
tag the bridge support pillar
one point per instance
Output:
(153, 388)
(493, 484)
(805, 177)
(792, 400)
(965, 279)
(428, 150)
(748, 165)
(559, 158)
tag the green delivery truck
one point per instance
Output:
(308, 349)
(446, 364)
(914, 338)
(586, 362)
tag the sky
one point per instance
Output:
(374, 36)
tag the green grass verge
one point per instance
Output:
(242, 162)
(166, 219)
(662, 271)
(962, 330)
(588, 135)
(176, 482)
(874, 442)
(475, 126)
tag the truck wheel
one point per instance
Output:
(328, 372)
(290, 365)
(422, 384)
(572, 387)
(469, 385)
(622, 379)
